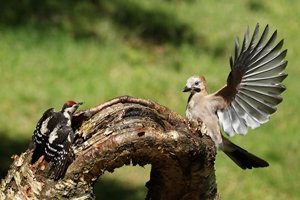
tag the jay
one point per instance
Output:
(251, 95)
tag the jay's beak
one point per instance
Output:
(186, 89)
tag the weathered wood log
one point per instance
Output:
(124, 131)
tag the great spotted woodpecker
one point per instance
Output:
(53, 137)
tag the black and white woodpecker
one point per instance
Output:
(53, 137)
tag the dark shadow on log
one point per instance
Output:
(125, 131)
(9, 147)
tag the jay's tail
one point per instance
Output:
(241, 157)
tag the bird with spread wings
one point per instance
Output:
(250, 97)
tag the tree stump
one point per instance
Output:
(124, 131)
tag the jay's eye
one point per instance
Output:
(197, 83)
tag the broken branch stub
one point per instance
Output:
(129, 130)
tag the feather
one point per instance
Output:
(241, 126)
(254, 85)
(225, 121)
(248, 118)
(259, 44)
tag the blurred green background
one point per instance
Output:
(52, 51)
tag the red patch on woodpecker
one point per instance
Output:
(70, 103)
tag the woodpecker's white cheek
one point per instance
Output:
(67, 115)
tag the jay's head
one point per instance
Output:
(195, 84)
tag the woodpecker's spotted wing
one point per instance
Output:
(59, 147)
(40, 135)
(53, 138)
(254, 85)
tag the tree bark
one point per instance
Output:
(124, 131)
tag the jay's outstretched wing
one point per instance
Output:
(254, 85)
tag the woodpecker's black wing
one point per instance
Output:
(59, 150)
(254, 85)
(41, 134)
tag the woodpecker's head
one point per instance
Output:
(70, 107)
(195, 84)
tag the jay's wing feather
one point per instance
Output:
(254, 85)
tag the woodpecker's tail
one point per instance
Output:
(37, 153)
(60, 166)
(241, 157)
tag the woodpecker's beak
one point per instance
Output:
(186, 89)
(78, 104)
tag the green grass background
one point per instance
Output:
(93, 51)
